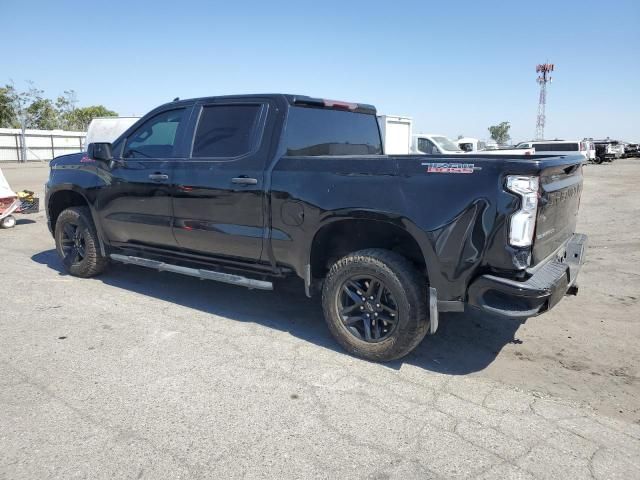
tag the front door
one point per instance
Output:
(135, 205)
(219, 195)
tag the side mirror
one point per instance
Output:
(100, 151)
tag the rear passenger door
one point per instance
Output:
(218, 200)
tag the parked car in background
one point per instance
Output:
(107, 129)
(632, 150)
(491, 147)
(469, 144)
(606, 150)
(244, 189)
(554, 147)
(434, 144)
(509, 150)
(618, 148)
(588, 149)
(396, 134)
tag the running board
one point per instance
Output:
(194, 272)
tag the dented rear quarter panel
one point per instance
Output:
(459, 220)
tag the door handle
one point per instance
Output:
(158, 177)
(244, 181)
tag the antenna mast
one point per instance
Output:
(544, 76)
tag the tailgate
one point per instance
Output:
(560, 190)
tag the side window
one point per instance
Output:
(156, 137)
(426, 146)
(226, 130)
(313, 132)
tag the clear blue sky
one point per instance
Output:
(455, 67)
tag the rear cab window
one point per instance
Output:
(322, 131)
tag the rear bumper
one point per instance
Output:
(549, 283)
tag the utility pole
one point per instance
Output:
(544, 76)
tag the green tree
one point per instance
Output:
(42, 115)
(8, 115)
(65, 106)
(500, 132)
(79, 118)
(30, 109)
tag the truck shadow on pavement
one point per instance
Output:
(465, 342)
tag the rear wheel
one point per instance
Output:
(374, 303)
(77, 243)
(8, 222)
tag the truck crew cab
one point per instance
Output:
(245, 189)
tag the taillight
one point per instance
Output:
(523, 222)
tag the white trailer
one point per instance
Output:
(107, 129)
(396, 134)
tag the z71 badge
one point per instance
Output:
(450, 167)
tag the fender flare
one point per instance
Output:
(77, 190)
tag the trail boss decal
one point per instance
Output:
(450, 167)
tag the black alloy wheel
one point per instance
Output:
(77, 243)
(73, 244)
(374, 303)
(367, 308)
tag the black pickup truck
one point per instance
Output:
(246, 189)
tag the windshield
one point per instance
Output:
(445, 144)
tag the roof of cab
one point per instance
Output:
(291, 99)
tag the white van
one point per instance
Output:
(107, 129)
(434, 144)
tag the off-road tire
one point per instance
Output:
(93, 262)
(409, 290)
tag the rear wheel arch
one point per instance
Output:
(339, 238)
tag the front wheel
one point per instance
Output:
(77, 243)
(374, 303)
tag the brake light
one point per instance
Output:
(340, 105)
(523, 221)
